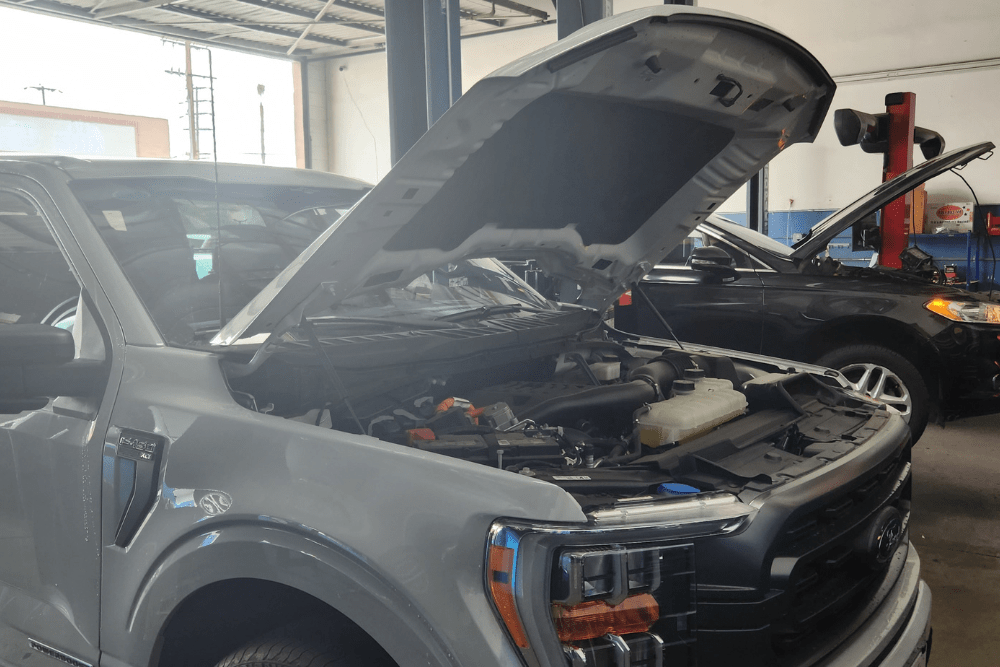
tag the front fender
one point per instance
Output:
(391, 536)
(307, 560)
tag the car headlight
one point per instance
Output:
(620, 590)
(965, 311)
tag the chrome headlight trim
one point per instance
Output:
(975, 312)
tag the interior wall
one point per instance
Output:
(826, 175)
(850, 37)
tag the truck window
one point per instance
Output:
(185, 250)
(38, 286)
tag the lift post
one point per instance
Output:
(893, 134)
(898, 158)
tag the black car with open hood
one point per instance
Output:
(927, 349)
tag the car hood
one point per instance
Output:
(826, 230)
(593, 156)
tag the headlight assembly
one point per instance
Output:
(965, 311)
(619, 591)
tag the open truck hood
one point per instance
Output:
(594, 156)
(829, 228)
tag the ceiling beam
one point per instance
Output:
(359, 7)
(127, 8)
(304, 13)
(524, 9)
(305, 33)
(51, 8)
(329, 54)
(248, 25)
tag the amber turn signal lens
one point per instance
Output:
(501, 580)
(597, 618)
(940, 306)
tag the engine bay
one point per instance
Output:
(602, 420)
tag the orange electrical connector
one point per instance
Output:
(415, 434)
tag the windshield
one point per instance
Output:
(449, 290)
(189, 256)
(752, 237)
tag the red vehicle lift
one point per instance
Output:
(893, 134)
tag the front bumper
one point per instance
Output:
(897, 634)
(969, 358)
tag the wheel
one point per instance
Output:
(887, 377)
(309, 646)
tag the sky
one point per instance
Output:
(107, 69)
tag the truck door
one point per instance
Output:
(51, 448)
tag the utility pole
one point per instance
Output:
(195, 126)
(42, 89)
(192, 117)
(260, 91)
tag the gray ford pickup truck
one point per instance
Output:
(259, 416)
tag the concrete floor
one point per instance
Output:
(955, 526)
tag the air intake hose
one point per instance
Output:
(570, 408)
(648, 383)
(662, 371)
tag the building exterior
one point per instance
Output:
(35, 128)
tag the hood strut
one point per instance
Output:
(331, 371)
(657, 313)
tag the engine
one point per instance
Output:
(599, 420)
(593, 412)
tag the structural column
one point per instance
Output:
(443, 56)
(404, 53)
(571, 15)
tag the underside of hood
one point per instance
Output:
(593, 156)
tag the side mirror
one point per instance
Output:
(36, 361)
(715, 261)
(25, 344)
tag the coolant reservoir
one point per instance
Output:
(694, 409)
(606, 371)
(702, 383)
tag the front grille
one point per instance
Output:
(817, 580)
(834, 573)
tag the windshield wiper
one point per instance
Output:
(485, 312)
(413, 322)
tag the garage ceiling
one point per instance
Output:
(291, 28)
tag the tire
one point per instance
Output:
(307, 646)
(886, 376)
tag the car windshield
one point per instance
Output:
(752, 237)
(448, 291)
(188, 255)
